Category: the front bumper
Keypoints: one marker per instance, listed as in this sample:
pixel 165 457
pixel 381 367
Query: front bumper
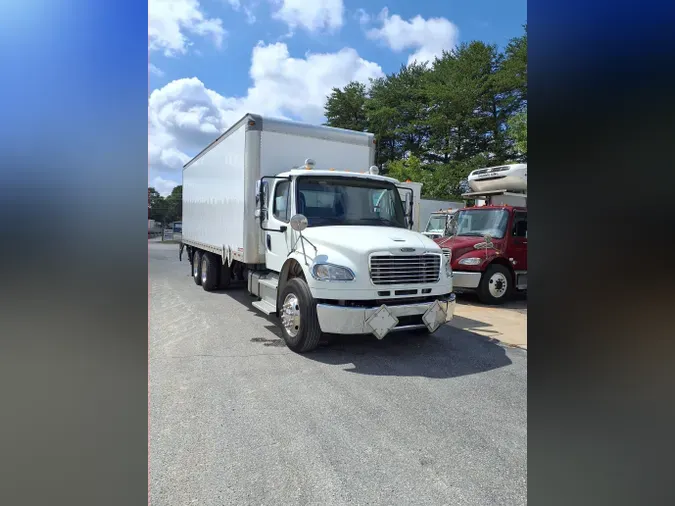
pixel 466 279
pixel 380 320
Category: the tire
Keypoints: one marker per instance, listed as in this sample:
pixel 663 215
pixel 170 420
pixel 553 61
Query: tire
pixel 209 272
pixel 225 276
pixel 297 306
pixel 197 267
pixel 496 285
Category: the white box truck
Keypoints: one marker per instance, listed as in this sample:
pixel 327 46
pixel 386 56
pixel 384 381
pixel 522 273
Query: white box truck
pixel 325 246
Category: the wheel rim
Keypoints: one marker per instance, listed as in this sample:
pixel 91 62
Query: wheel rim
pixel 290 315
pixel 497 285
pixel 203 271
pixel 195 266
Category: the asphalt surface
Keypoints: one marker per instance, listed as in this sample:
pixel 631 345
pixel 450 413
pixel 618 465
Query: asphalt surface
pixel 237 418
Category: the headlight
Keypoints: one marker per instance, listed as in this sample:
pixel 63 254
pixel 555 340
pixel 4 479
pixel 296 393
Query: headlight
pixel 329 272
pixel 471 261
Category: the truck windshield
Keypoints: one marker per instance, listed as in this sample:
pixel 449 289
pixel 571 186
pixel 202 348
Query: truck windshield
pixel 436 223
pixel 349 201
pixel 477 222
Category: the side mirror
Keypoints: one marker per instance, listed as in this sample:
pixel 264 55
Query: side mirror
pixel 299 222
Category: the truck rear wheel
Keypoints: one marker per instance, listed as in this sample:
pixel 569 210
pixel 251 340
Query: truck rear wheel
pixel 197 266
pixel 496 285
pixel 209 272
pixel 297 317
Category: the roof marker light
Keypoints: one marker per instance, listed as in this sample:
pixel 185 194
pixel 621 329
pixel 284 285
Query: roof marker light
pixel 374 170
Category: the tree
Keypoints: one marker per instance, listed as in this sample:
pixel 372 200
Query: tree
pixel 518 132
pixel 346 108
pixel 396 111
pixel 514 69
pixel 174 204
pixel 455 89
pixel 434 124
pixel 157 206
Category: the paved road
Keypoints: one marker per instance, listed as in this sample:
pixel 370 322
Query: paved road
pixel 236 418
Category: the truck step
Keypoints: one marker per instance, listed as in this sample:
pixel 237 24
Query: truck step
pixel 271 282
pixel 265 307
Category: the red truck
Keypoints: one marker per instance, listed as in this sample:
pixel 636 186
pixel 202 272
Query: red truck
pixel 487 243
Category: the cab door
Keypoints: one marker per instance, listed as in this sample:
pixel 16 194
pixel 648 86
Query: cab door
pixel 277 238
pixel 518 240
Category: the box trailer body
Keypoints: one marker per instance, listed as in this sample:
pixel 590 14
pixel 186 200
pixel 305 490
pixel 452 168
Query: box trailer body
pixel 219 184
pixel 327 250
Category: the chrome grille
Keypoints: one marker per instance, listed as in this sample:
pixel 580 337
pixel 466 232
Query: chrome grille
pixel 393 270
pixel 447 253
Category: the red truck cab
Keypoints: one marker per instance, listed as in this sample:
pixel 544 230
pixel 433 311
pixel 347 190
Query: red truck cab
pixel 488 250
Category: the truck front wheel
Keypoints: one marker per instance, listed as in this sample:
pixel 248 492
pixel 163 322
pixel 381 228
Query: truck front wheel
pixel 495 285
pixel 297 317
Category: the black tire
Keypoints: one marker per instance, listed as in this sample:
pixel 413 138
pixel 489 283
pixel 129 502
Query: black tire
pixel 495 277
pixel 309 333
pixel 197 267
pixel 225 276
pixel 209 272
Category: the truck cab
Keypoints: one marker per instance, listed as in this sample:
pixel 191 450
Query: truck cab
pixel 340 258
pixel 438 223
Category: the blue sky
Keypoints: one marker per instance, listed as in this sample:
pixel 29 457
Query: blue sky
pixel 213 60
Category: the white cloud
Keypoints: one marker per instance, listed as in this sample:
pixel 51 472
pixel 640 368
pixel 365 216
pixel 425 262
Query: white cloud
pixel 427 37
pixel 163 186
pixel 312 15
pixel 362 16
pixel 153 69
pixel 185 116
pixel 247 8
pixel 169 22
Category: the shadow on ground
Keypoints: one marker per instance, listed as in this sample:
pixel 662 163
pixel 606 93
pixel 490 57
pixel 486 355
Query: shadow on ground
pixel 449 353
pixel 518 301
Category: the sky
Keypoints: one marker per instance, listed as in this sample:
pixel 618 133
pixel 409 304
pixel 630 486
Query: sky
pixel 212 61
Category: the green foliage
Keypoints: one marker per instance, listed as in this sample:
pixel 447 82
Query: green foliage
pixel 346 108
pixel 175 204
pixel 436 123
pixel 518 132
pixel 165 209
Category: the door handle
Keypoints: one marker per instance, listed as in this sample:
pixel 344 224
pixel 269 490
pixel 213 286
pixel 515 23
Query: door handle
pixel 269 242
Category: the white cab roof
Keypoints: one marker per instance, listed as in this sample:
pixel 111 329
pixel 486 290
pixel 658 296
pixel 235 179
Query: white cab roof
pixel 339 173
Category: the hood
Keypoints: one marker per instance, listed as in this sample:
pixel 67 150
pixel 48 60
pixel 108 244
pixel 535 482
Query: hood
pixel 460 245
pixel 367 239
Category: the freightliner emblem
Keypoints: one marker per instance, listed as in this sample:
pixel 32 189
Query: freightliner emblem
pixel 407 250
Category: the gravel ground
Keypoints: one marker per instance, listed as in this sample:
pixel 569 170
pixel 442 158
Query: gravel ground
pixel 237 418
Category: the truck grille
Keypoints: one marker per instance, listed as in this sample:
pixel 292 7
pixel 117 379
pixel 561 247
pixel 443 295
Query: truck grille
pixel 447 253
pixel 393 270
